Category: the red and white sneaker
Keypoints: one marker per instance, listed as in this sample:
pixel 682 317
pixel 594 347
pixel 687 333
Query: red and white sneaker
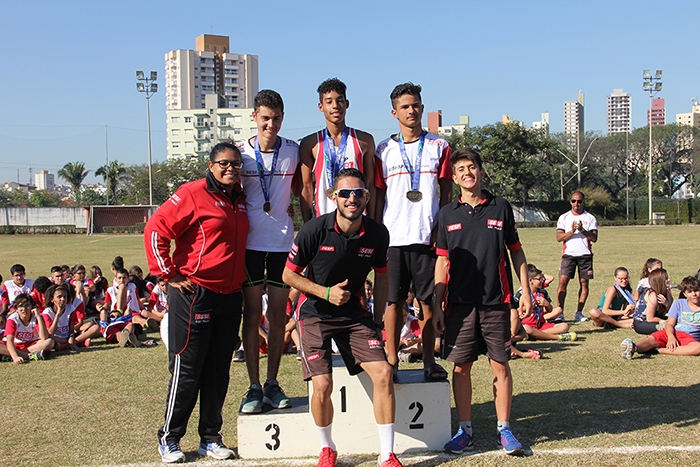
pixel 392 461
pixel 327 458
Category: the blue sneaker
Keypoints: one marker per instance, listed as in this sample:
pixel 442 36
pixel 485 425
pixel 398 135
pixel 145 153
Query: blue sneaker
pixel 460 442
pixel 628 349
pixel 171 453
pixel 507 440
pixel 215 451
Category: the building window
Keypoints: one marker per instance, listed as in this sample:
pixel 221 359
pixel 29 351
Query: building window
pixel 237 118
pixel 175 120
pixel 175 132
pixel 236 131
pixel 222 121
pixel 176 145
pixel 188 144
pixel 188 119
pixel 188 131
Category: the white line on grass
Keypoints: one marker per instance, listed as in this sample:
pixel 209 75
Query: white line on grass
pixel 409 459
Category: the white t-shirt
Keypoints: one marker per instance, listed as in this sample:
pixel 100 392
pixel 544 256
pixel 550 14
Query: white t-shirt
pixel 353 160
pixel 577 245
pixel 132 298
pixel 13 289
pixel 269 231
pixel 411 222
pixel 63 326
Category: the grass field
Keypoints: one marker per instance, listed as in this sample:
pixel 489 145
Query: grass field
pixel 580 405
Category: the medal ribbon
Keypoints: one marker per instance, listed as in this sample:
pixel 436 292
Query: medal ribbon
pixel 625 294
pixel 266 186
pixel 335 160
pixel 415 173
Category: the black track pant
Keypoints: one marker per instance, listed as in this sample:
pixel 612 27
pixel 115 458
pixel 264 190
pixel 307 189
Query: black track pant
pixel 203 334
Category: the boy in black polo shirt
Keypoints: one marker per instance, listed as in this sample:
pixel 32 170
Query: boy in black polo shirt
pixel 338 250
pixel 473 307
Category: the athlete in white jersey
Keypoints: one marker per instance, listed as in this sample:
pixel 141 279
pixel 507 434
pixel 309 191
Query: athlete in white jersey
pixel 18 284
pixel 410 167
pixel 325 153
pixel 270 164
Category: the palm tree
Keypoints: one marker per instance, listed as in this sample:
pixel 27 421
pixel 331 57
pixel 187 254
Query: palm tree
pixel 74 173
pixel 112 173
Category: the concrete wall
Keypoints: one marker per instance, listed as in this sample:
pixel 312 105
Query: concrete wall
pixel 44 216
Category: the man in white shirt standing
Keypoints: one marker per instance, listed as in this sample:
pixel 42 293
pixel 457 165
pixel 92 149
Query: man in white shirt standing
pixel 577 230
pixel 414 179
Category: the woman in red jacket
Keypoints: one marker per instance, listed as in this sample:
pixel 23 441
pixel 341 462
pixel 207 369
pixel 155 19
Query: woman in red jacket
pixel 207 220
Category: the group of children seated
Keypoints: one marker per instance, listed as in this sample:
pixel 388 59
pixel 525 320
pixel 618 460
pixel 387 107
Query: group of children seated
pixel 71 306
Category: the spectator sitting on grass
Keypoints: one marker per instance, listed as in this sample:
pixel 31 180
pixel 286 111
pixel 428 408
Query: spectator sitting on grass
pixel 682 333
pixel 26 336
pixel 651 264
pixel 83 285
pixel 41 285
pixel 101 286
pixel 536 323
pixel 116 314
pixel 617 305
pixel 19 284
pixel 653 304
pixel 59 317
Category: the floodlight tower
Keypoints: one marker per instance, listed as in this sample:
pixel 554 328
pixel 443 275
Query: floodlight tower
pixel 652 85
pixel 148 87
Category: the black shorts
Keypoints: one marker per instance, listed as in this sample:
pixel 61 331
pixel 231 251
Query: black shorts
pixel 357 341
pixel 411 263
pixel 470 331
pixel 570 263
pixel 257 262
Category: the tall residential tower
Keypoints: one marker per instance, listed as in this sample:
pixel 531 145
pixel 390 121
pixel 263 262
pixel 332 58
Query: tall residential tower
pixel 619 112
pixel 573 121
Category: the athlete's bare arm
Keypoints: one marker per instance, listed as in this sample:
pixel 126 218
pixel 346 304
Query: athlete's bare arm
pixel 367 146
pixel 307 151
pixel 379 203
pixel 336 294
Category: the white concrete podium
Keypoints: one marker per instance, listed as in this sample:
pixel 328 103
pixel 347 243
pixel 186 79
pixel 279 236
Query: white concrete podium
pixel 422 419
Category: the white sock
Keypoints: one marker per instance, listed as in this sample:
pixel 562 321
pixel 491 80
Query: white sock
pixel 324 432
pixel 386 441
pixel 501 425
pixel 466 426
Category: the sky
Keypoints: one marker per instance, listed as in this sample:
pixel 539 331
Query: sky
pixel 67 80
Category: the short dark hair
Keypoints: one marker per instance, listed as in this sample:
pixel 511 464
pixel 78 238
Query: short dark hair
pixel 689 284
pixel 121 271
pixel 346 173
pixel 468 154
pixel 56 269
pixel 405 89
pixel 42 283
pixel 331 84
pixel 532 271
pixel 17 268
pixel 268 98
pixel 118 262
pixel 218 148
pixel 76 268
pixel 24 298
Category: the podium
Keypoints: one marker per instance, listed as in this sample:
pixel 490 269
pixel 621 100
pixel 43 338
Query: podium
pixel 423 421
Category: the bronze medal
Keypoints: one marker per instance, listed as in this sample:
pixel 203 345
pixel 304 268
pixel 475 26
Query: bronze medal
pixel 266 206
pixel 414 195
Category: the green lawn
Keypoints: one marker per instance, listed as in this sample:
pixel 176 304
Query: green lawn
pixel 102 406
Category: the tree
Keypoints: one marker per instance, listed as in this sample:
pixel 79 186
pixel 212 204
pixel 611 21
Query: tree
pixel 167 177
pixel 74 173
pixel 44 199
pixel 519 163
pixel 112 173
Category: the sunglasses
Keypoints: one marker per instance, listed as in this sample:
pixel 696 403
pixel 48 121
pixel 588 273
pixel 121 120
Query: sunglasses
pixel 576 201
pixel 346 192
pixel 225 164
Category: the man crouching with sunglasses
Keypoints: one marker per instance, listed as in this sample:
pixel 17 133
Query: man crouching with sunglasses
pixel 577 230
pixel 338 250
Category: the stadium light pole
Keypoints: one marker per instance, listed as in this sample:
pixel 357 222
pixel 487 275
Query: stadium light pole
pixel 148 87
pixel 652 85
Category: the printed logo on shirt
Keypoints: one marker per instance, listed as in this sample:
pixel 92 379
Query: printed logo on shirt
pixel 220 203
pixel 365 252
pixel 327 248
pixel 174 198
pixel 349 165
pixel 241 207
pixel 201 317
pixel 311 358
pixel 453 227
pixel 494 224
pixel 374 344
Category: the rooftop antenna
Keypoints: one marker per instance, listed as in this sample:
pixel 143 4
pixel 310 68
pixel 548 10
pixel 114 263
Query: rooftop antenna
pixel 694 100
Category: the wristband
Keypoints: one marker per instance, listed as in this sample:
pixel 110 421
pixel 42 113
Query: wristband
pixel 328 293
